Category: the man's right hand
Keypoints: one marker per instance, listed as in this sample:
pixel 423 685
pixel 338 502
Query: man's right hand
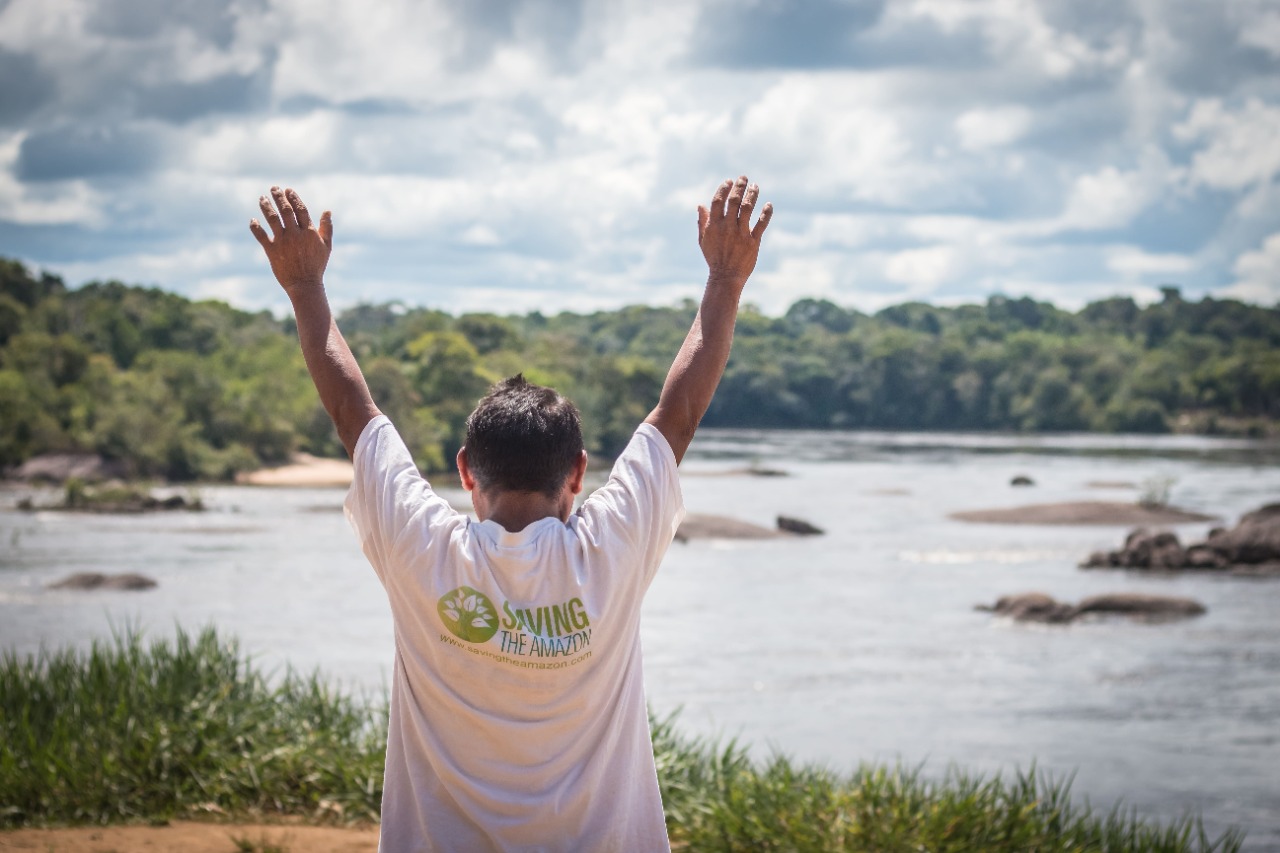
pixel 729 243
pixel 298 251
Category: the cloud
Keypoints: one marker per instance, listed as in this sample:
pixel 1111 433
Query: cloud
pixel 223 93
pixel 26 87
pixel 992 127
pixel 1131 261
pixel 554 151
pixel 1239 146
pixel 922 270
pixel 1258 274
pixel 1205 48
pixel 552 26
pixel 214 20
pixel 1112 198
pixel 88 152
pixel 782 33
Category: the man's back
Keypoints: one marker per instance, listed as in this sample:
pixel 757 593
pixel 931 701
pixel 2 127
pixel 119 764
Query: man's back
pixel 518 718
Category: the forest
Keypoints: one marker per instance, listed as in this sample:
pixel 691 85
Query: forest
pixel 198 390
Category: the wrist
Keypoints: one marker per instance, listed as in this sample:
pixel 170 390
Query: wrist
pixel 722 280
pixel 303 288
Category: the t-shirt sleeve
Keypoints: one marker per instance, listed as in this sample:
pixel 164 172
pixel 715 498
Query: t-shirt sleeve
pixel 389 498
pixel 639 508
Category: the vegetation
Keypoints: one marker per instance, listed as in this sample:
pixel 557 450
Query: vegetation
pixel 79 496
pixel 127 732
pixel 198 390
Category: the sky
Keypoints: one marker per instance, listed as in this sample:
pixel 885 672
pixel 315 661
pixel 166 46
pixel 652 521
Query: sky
pixel 519 155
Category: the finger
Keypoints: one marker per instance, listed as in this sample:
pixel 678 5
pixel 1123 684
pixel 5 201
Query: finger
pixel 748 205
pixel 273 218
pixel 299 209
pixel 717 200
pixel 704 216
pixel 765 215
pixel 735 198
pixel 287 219
pixel 326 228
pixel 260 233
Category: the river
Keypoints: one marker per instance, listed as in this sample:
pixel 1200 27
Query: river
pixel 861 645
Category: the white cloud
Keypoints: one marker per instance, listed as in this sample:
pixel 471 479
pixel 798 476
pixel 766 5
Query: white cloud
pixel 1111 198
pixel 570 174
pixel 922 269
pixel 992 128
pixel 1017 33
pixel 1262 30
pixel 1132 261
pixel 61 203
pixel 833 133
pixel 347 51
pixel 830 231
pixel 1240 146
pixel 1258 274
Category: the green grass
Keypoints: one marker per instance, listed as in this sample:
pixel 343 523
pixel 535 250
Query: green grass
pixel 134 732
pixel 129 731
pixel 718 799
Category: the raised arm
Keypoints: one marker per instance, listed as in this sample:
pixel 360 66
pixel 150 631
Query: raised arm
pixel 299 252
pixel 730 245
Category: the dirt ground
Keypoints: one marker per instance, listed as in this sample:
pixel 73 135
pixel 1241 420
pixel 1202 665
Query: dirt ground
pixel 195 838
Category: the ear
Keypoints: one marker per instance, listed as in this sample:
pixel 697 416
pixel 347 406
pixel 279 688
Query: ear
pixel 464 470
pixel 576 475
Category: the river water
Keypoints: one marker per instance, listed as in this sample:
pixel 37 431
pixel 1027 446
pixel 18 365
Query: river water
pixel 861 645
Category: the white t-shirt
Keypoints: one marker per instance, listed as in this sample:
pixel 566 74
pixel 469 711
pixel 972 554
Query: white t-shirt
pixel 518 718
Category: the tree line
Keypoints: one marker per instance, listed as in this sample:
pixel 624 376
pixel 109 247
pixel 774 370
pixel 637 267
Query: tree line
pixel 185 390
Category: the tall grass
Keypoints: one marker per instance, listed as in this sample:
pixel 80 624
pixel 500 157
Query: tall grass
pixel 128 732
pixel 718 799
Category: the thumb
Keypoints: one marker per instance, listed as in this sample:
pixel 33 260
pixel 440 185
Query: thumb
pixel 703 217
pixel 326 228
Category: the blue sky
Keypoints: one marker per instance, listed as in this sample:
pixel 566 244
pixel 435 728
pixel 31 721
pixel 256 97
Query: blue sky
pixel 511 155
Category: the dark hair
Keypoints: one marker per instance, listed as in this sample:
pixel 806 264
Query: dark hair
pixel 523 437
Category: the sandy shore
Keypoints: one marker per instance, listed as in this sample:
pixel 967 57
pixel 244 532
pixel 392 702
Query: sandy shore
pixel 1084 512
pixel 701 526
pixel 305 470
pixel 195 838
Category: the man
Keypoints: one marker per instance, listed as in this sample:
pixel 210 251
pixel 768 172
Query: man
pixel 518 719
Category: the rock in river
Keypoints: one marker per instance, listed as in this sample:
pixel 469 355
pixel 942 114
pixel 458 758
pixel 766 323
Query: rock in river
pixel 94 580
pixel 1252 547
pixel 799 526
pixel 1039 607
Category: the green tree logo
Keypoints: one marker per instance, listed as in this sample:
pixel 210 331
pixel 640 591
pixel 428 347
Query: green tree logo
pixel 469 615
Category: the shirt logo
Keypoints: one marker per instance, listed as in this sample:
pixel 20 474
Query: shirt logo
pixel 469 615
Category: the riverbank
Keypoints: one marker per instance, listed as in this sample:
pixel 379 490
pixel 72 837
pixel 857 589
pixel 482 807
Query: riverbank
pixel 129 733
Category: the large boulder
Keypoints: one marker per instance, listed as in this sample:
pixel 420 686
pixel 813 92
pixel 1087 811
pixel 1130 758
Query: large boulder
pixel 1256 539
pixel 1155 607
pixel 1039 607
pixel 798 526
pixel 1031 607
pixel 701 526
pixel 1251 547
pixel 96 580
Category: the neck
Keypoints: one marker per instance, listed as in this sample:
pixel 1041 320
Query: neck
pixel 517 510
